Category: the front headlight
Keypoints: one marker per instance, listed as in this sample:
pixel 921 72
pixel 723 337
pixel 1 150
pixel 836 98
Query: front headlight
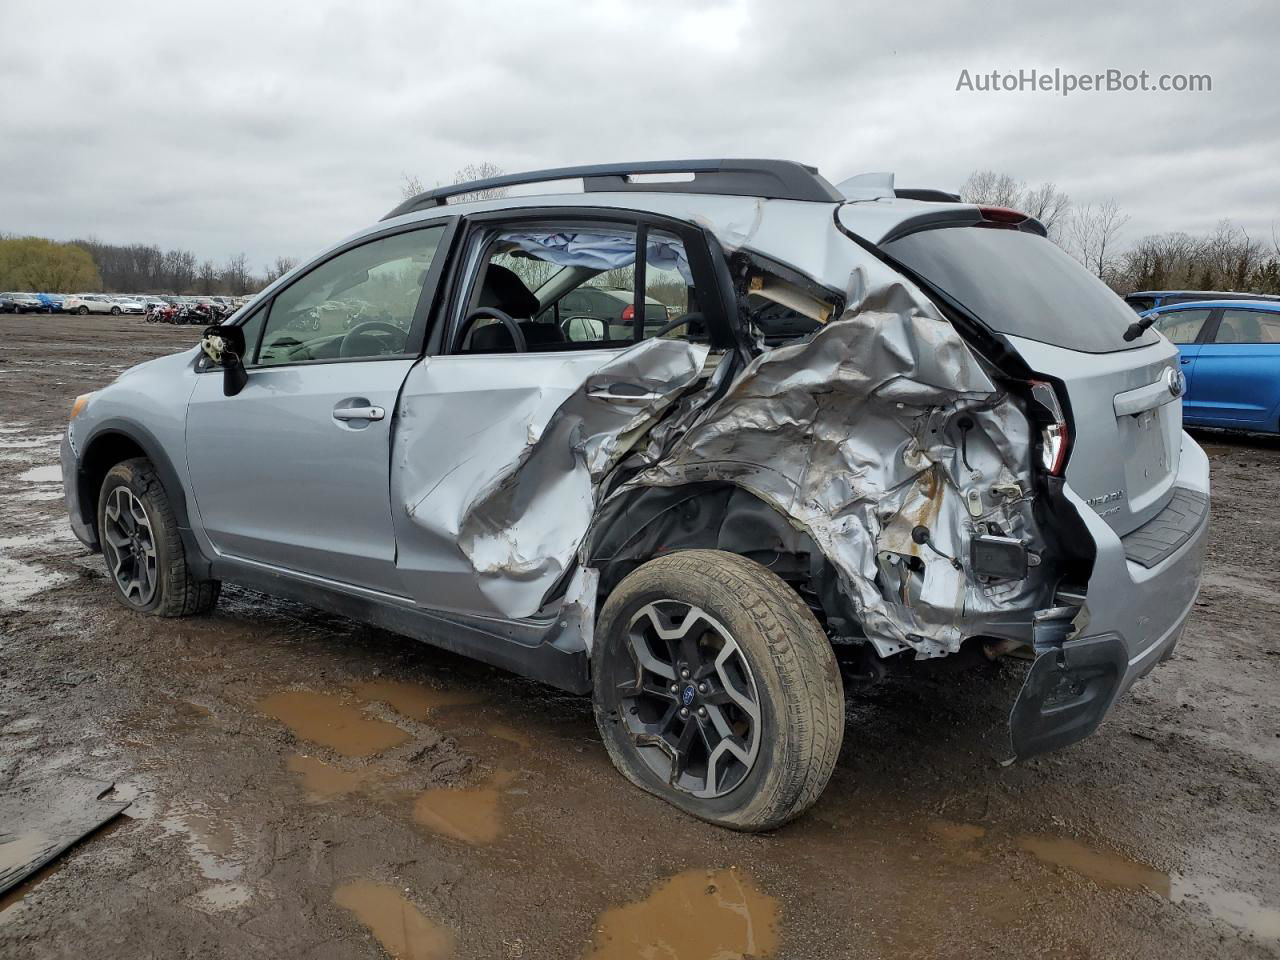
pixel 82 401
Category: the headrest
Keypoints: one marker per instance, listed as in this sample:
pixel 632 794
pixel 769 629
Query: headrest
pixel 505 291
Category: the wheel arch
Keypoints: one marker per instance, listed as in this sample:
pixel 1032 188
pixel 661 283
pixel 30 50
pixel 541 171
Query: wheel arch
pixel 650 522
pixel 114 441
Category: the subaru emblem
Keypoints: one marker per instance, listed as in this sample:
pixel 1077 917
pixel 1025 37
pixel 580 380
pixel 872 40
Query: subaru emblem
pixel 687 695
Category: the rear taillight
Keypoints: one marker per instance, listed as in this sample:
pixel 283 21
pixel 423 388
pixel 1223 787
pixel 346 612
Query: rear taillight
pixel 1054 435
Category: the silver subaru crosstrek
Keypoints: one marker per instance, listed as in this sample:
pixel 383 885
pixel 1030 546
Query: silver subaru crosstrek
pixel 876 423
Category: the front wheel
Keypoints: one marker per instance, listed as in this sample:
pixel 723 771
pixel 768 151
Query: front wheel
pixel 144 553
pixel 717 690
pixel 82 310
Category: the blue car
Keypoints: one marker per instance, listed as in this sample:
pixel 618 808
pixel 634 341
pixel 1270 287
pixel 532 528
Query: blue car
pixel 52 303
pixel 1231 359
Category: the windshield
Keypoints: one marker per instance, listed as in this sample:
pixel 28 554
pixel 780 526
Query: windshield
pixel 1021 284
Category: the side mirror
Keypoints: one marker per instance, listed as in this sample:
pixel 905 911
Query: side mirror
pixel 224 345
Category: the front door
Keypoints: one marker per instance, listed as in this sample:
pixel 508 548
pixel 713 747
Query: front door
pixel 1186 328
pixel 293 472
pixel 1238 370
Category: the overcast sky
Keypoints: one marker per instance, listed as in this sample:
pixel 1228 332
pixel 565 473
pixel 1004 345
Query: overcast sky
pixel 225 126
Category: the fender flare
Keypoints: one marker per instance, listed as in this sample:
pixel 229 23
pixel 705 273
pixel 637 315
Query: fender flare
pixel 174 488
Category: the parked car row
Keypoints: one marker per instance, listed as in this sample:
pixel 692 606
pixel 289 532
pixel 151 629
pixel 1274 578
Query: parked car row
pixel 109 303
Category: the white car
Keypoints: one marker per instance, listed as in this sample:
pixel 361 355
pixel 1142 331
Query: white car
pixel 83 303
pixel 127 305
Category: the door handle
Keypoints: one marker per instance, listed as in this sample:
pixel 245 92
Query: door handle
pixel 358 413
pixel 623 393
pixel 1185 361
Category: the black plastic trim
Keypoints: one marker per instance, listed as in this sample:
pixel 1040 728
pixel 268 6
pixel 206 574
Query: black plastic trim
pixel 173 487
pixel 522 648
pixel 1067 693
pixel 1161 536
pixel 772 179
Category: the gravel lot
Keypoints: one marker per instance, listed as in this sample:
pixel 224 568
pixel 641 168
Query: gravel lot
pixel 303 785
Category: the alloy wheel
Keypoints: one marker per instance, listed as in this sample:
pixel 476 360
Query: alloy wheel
pixel 690 702
pixel 129 546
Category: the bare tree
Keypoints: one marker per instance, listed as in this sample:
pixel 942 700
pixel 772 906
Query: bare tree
pixel 207 278
pixel 1047 204
pixel 410 186
pixel 235 275
pixel 480 171
pixel 992 189
pixel 278 269
pixel 1092 234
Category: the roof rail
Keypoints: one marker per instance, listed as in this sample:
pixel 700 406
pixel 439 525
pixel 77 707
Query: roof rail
pixel 773 179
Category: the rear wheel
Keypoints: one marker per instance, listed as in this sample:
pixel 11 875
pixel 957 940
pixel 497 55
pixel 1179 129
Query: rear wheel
pixel 82 310
pixel 144 554
pixel 717 690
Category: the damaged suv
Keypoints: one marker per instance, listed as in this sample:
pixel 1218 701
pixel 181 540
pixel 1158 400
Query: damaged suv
pixel 874 423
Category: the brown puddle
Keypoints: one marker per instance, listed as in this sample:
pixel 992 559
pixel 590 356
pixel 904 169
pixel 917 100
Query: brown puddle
pixel 955 832
pixel 325 780
pixel 413 699
pixel 398 925
pixel 471 814
pixel 332 722
pixel 1240 910
pixel 696 915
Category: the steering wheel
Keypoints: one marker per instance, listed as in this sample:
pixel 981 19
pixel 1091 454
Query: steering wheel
pixel 693 319
pixel 352 337
pixel 482 313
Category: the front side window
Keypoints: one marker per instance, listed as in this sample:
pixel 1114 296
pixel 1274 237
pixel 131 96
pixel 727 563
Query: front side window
pixel 359 304
pixel 1182 326
pixel 1248 326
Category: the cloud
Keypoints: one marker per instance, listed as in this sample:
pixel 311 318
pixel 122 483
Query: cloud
pixel 244 126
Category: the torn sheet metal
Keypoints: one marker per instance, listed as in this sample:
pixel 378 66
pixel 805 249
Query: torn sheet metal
pixel 880 422
pixel 494 510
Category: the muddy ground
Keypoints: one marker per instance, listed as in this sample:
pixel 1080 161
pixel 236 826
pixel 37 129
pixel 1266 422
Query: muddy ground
pixel 305 786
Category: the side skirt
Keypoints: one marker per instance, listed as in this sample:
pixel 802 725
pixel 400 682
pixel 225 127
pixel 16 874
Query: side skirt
pixel 521 647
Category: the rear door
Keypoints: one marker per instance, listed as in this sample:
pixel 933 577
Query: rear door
pixel 500 449
pixel 293 472
pixel 1238 370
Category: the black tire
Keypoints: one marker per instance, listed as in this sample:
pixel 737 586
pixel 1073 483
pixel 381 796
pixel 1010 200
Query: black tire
pixel 115 311
pixel 174 592
pixel 790 670
pixel 82 310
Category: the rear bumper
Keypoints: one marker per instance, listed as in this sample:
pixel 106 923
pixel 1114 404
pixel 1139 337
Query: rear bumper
pixel 1135 616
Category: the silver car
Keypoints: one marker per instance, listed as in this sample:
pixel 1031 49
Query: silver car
pixel 880 425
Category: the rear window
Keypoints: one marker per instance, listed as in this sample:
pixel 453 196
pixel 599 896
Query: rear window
pixel 1021 284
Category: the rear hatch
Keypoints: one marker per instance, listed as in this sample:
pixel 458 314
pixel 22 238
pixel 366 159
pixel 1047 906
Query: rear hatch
pixel 1068 326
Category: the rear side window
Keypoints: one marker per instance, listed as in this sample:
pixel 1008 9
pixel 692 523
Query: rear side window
pixel 1021 284
pixel 1248 326
pixel 1182 326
